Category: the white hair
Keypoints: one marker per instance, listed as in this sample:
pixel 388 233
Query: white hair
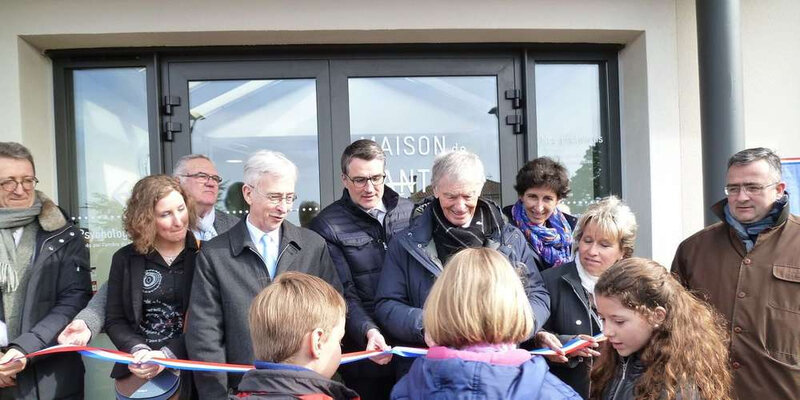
pixel 458 166
pixel 180 166
pixel 268 162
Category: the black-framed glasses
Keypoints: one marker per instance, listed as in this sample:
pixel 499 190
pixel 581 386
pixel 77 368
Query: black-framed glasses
pixel 276 198
pixel 203 177
pixel 361 181
pixel 750 189
pixel 10 185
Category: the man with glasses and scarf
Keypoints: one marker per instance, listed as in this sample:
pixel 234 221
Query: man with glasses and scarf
pixel 44 281
pixel 748 267
pixel 235 266
pixel 456 218
pixel 357 229
pixel 199 178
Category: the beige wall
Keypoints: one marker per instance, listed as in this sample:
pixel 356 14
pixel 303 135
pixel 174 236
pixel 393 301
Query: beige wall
pixel 660 112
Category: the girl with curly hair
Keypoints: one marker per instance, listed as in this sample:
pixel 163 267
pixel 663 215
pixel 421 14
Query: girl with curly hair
pixel 667 344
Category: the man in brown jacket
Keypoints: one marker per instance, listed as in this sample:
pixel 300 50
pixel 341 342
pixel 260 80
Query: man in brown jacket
pixel 748 267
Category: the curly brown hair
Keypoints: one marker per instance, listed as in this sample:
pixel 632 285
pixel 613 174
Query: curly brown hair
pixel 688 351
pixel 139 215
pixel 543 172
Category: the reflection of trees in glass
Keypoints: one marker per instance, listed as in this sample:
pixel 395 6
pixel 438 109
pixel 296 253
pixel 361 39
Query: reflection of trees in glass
pixel 308 210
pixel 586 184
pixel 234 199
pixel 105 228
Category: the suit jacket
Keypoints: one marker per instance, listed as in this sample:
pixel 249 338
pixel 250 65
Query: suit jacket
pixel 124 305
pixel 229 274
pixel 224 221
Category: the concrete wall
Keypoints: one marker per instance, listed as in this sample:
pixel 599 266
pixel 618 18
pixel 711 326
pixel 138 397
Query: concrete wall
pixel 659 100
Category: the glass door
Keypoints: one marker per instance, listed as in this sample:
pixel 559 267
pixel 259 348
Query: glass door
pixel 228 110
pixel 418 108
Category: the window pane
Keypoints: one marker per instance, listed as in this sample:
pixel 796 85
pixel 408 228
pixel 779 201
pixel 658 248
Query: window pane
pixel 414 119
pixel 232 119
pixel 568 127
pixel 112 149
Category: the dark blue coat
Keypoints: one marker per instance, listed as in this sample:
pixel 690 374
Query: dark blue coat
pixel 455 378
pixel 357 245
pixel 411 267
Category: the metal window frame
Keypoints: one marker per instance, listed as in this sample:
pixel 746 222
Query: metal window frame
pixel 64 113
pixel 155 60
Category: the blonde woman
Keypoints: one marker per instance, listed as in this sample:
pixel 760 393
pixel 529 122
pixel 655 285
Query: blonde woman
pixel 605 234
pixel 476 314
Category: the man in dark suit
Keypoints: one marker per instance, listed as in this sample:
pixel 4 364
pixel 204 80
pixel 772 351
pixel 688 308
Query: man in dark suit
pixel 235 266
pixel 199 178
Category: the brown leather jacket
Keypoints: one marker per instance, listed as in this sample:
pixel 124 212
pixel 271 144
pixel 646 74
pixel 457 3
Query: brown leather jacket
pixel 758 293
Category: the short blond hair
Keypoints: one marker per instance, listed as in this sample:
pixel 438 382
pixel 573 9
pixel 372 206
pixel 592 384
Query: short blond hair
pixel 293 305
pixel 614 219
pixel 478 298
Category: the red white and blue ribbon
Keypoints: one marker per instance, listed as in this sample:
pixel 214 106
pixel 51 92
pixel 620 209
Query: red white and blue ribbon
pixel 400 351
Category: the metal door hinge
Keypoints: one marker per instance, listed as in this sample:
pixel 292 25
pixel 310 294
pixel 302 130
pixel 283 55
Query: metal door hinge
pixel 516 121
pixel 169 130
pixel 515 95
pixel 170 102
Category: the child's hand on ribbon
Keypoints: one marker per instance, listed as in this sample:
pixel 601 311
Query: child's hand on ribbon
pixel 588 351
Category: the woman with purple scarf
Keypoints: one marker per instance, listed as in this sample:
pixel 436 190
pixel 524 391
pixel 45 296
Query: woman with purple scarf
pixel 541 184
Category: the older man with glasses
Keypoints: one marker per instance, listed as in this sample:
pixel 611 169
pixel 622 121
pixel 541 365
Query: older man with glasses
pixel 748 267
pixel 44 281
pixel 199 178
pixel 455 219
pixel 235 266
pixel 357 229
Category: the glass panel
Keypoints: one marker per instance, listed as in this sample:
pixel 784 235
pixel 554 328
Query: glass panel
pixel 414 119
pixel 232 119
pixel 112 149
pixel 568 127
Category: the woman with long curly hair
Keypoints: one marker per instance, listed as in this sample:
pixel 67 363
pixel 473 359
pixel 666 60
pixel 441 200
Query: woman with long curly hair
pixel 149 282
pixel 667 344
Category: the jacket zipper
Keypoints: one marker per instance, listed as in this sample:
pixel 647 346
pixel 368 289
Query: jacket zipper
pixel 621 379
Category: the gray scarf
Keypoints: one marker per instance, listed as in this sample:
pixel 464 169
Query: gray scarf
pixel 16 259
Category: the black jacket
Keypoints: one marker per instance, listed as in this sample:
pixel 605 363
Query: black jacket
pixel 124 304
pixel 623 386
pixel 357 243
pixel 412 266
pixel 291 384
pixel 570 315
pixel 229 273
pixel 59 287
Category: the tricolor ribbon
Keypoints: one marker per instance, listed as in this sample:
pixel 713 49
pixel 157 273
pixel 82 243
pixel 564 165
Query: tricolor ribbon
pixel 400 351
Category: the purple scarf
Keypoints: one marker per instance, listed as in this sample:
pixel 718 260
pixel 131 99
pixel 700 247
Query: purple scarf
pixel 552 240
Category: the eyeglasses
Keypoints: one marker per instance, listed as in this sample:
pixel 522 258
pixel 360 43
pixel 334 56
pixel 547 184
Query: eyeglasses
pixel 276 198
pixel 10 185
pixel 750 189
pixel 202 177
pixel 361 181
